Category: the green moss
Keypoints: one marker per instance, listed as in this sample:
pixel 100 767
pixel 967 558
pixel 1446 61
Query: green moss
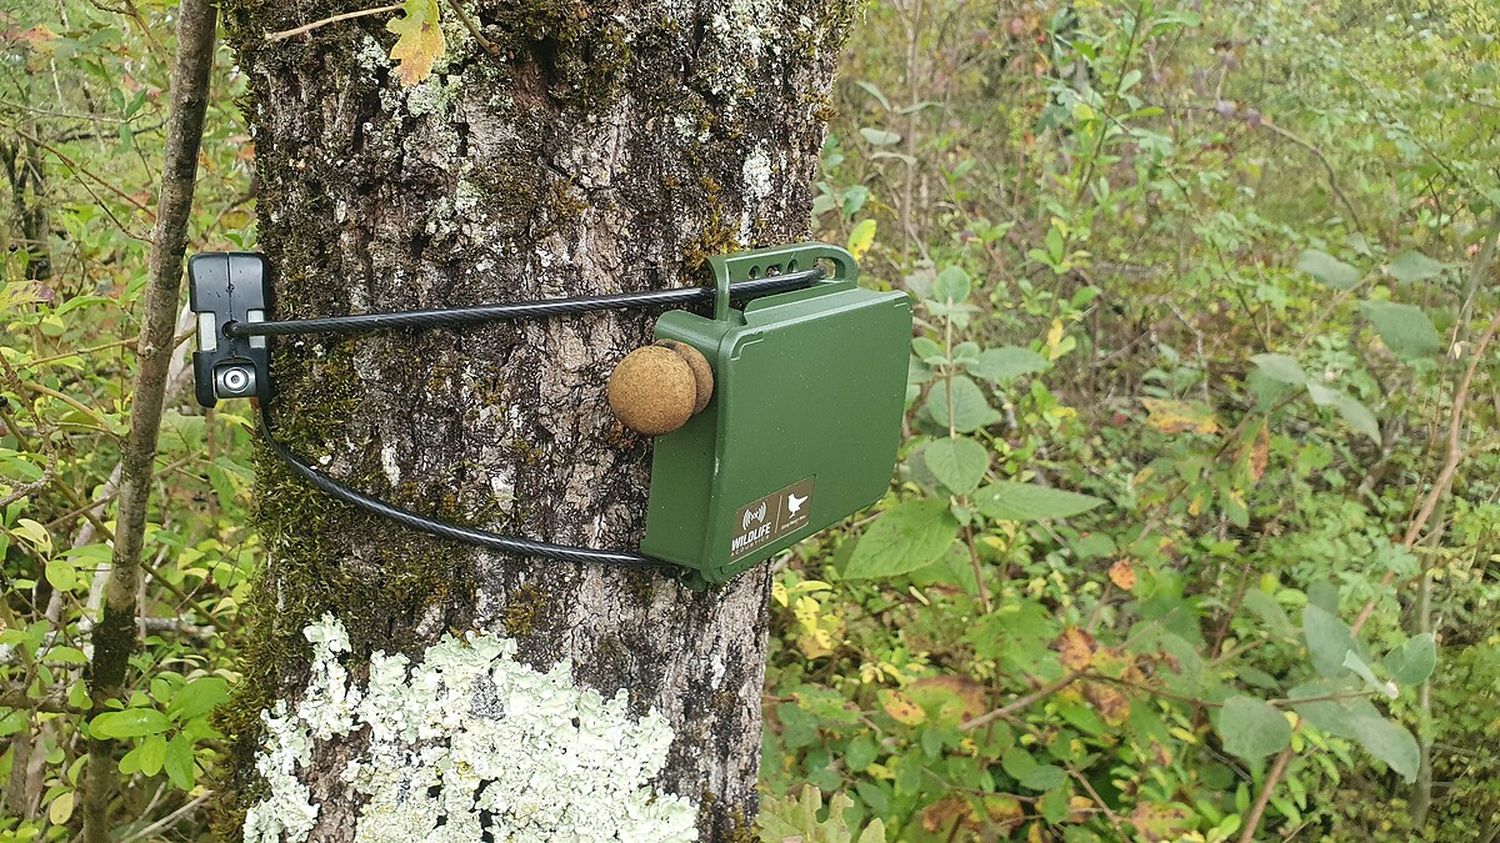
pixel 521 611
pixel 716 238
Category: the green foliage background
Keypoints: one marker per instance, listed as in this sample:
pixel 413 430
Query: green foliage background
pixel 1203 296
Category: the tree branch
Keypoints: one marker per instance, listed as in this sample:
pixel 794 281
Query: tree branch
pixel 1258 810
pixel 114 638
pixel 1450 463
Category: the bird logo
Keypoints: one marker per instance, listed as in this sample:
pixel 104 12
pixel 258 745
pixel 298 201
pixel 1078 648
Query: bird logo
pixel 794 503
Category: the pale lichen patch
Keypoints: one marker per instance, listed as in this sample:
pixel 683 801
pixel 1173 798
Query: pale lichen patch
pixel 468 742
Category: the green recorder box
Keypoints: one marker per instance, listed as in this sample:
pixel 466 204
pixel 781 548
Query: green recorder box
pixel 805 420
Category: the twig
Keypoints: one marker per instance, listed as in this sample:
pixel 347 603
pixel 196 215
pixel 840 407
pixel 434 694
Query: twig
pixel 19 701
pixel 28 489
pixel 984 592
pixel 473 27
pixel 1450 463
pixel 145 833
pixel 77 167
pixel 1114 819
pixel 1252 820
pixel 1023 701
pixel 317 24
pixel 1333 182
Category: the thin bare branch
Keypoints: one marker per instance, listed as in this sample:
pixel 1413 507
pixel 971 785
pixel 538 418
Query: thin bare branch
pixel 318 24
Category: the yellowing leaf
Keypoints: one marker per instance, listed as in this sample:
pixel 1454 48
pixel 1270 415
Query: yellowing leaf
pixel 778 593
pixel 421 40
pixel 862 238
pixel 34 534
pixel 1170 416
pixel 1054 339
pixel 61 808
pixel 901 708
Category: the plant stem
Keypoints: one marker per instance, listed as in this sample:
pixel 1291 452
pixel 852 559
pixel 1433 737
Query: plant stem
pixel 114 637
pixel 1258 810
pixel 1454 456
pixel 309 27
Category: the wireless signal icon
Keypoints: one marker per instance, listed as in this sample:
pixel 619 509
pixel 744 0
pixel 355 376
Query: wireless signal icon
pixel 753 515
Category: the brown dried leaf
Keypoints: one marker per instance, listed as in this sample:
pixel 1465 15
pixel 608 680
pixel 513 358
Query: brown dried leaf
pixel 946 813
pixel 1111 704
pixel 1077 648
pixel 1004 811
pixel 1079 808
pixel 1260 454
pixel 1122 574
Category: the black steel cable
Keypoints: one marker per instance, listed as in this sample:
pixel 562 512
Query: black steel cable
pixel 472 315
pixel 447 317
pixel 467 535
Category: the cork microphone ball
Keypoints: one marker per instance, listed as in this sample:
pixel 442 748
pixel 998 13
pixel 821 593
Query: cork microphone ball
pixel 703 374
pixel 653 390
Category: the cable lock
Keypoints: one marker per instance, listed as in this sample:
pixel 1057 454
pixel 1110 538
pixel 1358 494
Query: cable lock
pixel 230 294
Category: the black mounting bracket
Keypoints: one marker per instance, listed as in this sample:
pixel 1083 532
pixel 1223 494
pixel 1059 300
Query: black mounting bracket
pixel 224 289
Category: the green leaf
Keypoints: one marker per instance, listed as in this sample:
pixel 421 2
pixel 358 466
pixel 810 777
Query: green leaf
pixel 958 463
pixel 1252 728
pixel 1269 611
pixel 198 698
pixel 1412 662
pixel 1045 777
pixel 904 538
pixel 951 285
pixel 1017 763
pixel 1355 414
pixel 151 754
pixel 1413 266
pixel 1328 639
pixel 1324 595
pixel 1404 328
pixel 971 410
pixel 861 238
pixel 1011 501
pixel 1007 363
pixel 34 534
pixel 1357 719
pixel 1362 669
pixel 1328 269
pixel 878 137
pixel 61 808
pixel 795 817
pixel 130 723
pixel 1280 368
pixel 61 574
pixel 1054 806
pixel 179 762
pixel 861 753
pixel 1389 741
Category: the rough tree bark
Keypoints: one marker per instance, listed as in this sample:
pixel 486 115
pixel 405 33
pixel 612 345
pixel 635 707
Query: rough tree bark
pixel 598 147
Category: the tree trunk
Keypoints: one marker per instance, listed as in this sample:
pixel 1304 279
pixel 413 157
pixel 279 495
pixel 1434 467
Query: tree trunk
pixel 599 147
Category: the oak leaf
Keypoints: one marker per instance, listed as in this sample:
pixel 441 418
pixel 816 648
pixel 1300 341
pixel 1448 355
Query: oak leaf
pixel 420 42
